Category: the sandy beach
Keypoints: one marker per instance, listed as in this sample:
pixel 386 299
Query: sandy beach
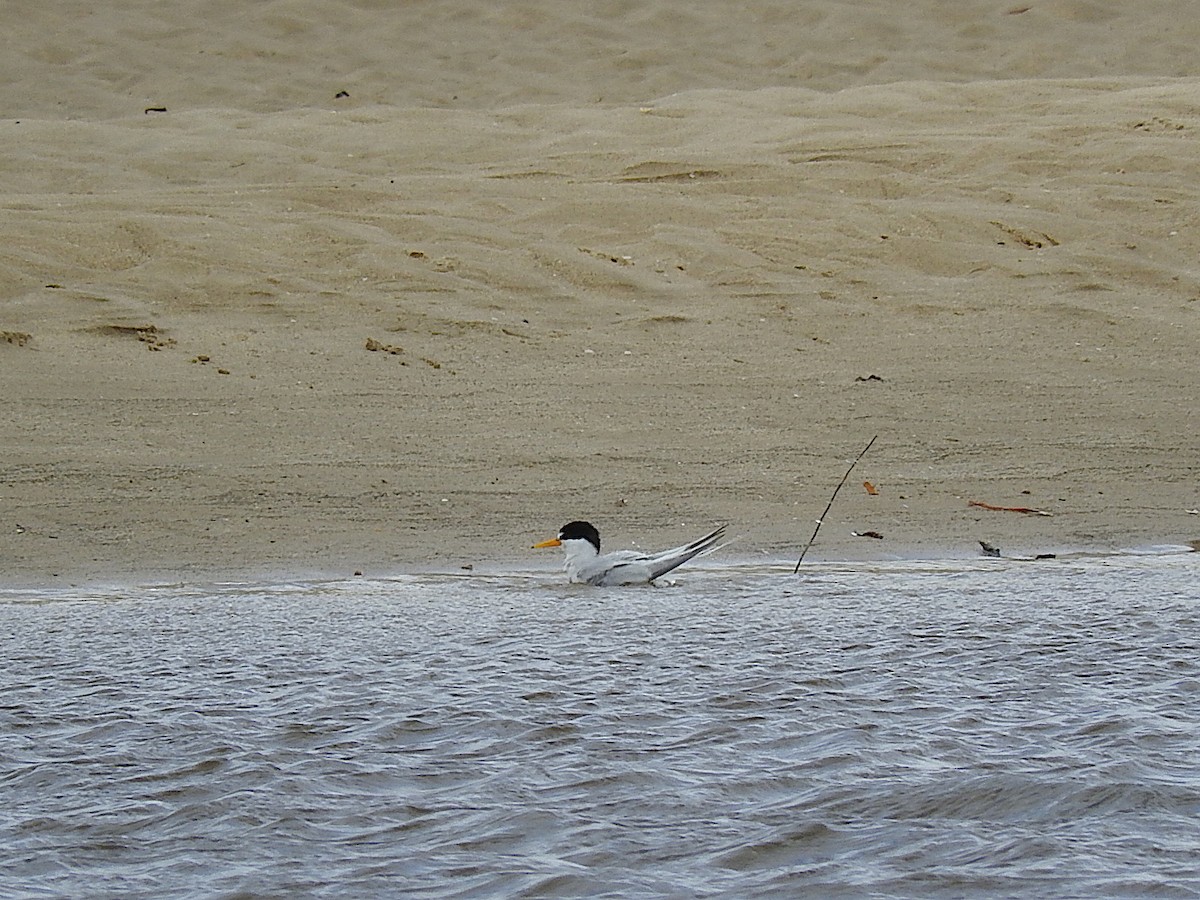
pixel 314 289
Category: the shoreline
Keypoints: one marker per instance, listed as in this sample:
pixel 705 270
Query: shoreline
pixel 20 592
pixel 45 587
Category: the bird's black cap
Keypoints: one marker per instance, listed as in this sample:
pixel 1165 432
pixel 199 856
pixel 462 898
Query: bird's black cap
pixel 580 531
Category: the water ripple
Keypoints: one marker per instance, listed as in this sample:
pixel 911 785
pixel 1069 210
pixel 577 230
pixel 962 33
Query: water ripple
pixel 906 730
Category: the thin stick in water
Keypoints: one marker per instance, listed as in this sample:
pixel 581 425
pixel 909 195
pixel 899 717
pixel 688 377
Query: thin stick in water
pixel 821 521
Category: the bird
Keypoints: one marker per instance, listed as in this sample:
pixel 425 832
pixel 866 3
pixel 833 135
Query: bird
pixel 586 565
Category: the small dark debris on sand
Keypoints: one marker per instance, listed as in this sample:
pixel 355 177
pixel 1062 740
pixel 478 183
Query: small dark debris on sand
pixel 18 338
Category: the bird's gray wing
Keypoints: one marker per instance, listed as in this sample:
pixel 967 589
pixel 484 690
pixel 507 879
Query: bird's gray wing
pixel 662 563
pixel 603 569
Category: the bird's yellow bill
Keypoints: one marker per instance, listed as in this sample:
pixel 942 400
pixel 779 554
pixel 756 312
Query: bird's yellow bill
pixel 553 542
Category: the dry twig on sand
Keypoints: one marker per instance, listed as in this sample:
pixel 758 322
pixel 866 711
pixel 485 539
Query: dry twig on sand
pixel 829 505
pixel 1029 511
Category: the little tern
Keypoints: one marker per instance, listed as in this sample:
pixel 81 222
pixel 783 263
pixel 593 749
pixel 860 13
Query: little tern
pixel 585 564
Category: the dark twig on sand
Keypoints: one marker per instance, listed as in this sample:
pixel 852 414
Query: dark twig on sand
pixel 829 505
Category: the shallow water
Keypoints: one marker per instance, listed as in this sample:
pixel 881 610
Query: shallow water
pixel 960 729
